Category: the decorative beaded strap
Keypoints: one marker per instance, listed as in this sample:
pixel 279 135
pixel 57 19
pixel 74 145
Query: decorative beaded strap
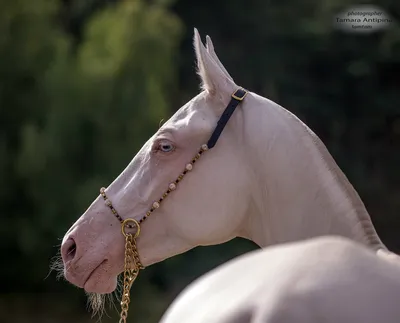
pixel 171 187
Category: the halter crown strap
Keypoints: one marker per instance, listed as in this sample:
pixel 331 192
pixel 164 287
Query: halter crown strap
pixel 236 98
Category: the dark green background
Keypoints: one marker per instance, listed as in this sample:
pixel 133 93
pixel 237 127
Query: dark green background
pixel 83 84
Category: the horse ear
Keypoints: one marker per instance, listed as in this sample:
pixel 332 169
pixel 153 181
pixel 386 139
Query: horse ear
pixel 214 80
pixel 213 54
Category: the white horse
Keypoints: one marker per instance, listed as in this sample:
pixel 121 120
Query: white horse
pixel 325 279
pixel 268 179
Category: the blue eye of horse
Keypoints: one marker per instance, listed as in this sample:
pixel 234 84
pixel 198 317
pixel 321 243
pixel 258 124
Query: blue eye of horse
pixel 166 148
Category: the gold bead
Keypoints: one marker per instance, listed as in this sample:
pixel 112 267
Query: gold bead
pixel 165 195
pixel 108 202
pixel 148 213
pixel 172 186
pixel 189 166
pixel 156 205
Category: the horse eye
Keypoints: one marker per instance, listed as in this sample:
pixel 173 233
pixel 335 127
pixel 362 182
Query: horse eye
pixel 166 147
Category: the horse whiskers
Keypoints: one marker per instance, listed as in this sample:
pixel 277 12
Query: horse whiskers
pixel 118 291
pixel 96 302
pixel 56 264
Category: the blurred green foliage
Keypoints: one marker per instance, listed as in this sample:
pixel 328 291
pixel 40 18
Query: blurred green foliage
pixel 83 84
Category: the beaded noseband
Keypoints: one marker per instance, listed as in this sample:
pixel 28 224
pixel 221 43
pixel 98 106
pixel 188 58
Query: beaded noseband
pixel 132 260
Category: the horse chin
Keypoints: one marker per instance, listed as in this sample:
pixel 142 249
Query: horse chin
pixel 96 287
pixel 100 281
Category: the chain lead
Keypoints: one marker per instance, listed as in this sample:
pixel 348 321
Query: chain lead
pixel 132 267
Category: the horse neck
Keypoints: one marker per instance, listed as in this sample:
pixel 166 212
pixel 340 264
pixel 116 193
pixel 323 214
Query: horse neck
pixel 299 192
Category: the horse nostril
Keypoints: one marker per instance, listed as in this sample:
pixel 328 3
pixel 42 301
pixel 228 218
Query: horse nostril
pixel 68 250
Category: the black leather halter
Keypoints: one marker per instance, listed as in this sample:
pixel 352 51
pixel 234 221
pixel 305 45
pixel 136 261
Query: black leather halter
pixel 236 98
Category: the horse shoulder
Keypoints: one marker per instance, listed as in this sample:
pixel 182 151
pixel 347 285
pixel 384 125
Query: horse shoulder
pixel 327 279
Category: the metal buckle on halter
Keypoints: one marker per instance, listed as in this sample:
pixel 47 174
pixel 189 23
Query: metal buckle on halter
pixel 239 94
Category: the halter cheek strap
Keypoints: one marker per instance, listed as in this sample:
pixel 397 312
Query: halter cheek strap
pixel 236 98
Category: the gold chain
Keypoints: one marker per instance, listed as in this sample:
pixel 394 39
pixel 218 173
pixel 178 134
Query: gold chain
pixel 131 270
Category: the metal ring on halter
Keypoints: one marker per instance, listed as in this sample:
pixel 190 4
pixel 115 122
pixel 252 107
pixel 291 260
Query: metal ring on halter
pixel 123 226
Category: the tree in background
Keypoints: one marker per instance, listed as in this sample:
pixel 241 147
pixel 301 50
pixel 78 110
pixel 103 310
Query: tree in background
pixel 73 117
pixel 28 48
